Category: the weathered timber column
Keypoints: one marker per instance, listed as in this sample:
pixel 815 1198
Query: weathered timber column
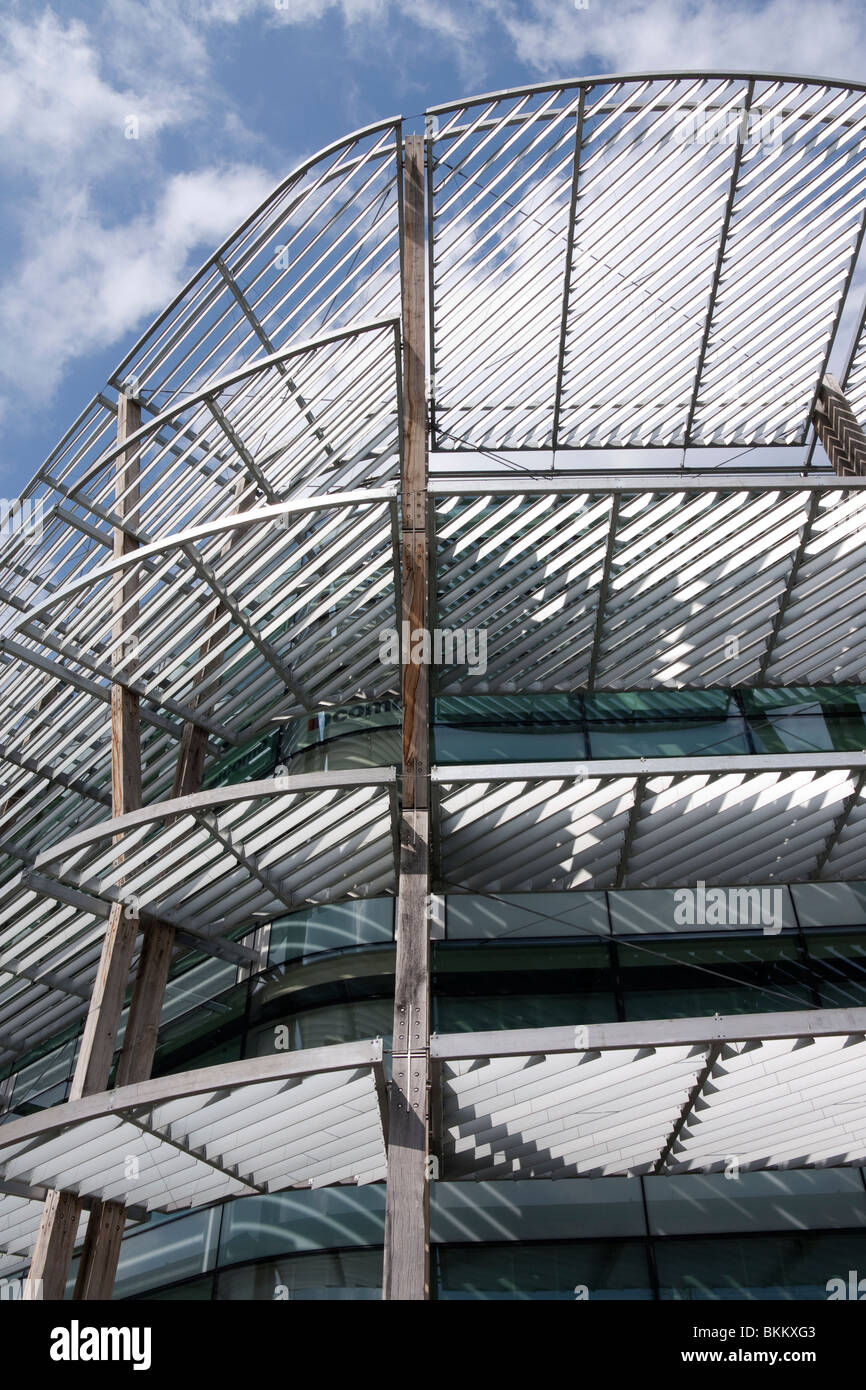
pixel 407 1222
pixel 98 1268
pixel 55 1242
pixel 157 950
pixel 839 430
pixel 158 944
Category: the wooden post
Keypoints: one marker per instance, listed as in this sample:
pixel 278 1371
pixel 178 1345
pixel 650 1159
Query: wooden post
pixel 62 1212
pixel 98 1267
pixel 157 949
pixel 55 1243
pixel 98 1264
pixel 839 430
pixel 407 1241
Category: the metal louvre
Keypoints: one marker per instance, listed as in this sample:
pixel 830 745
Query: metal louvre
pixel 673 1096
pixel 789 1101
pixel 821 635
pixel 548 1117
pixel 272 376
pixel 648 261
pixel 20 1218
pixel 649 823
pixel 527 570
pixel 248 605
pixel 246 611
pixel 209 864
pixel 231 615
pixel 315 418
pixel 322 252
pixel 613 587
pixel 854 375
pixel 308 1119
pixel 216 860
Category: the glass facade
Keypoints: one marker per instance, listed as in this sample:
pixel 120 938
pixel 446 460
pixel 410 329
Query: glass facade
pixel 769 1236
pixel 519 960
pixel 541 728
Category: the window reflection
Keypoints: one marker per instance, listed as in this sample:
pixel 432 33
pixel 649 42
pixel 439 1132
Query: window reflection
pixel 571 726
pixel 592 1270
pixel 347 1274
pixel 777 1268
pixel 694 978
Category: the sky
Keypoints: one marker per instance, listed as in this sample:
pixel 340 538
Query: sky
pixel 135 134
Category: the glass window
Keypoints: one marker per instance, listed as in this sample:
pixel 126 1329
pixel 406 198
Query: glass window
pixel 506 744
pixel 195 987
pixel 526 1210
pixel 316 741
pixel 366 748
pixel 806 719
pixel 538 710
pixel 471 915
pixel 781 1267
pixel 327 928
pixel 508 728
pixel 248 763
pixel 690 1203
pixel 339 1274
pixel 167 1252
pixel 830 904
pixel 794 733
pixel 322 1027
pixel 668 738
pixel 838 959
pixel 41 1100
pixel 193 1291
pixel 211 1032
pixel 332 724
pixel 640 911
pixel 505 986
pixel 556 1272
pixel 328 978
pixel 482 1013
pixel 44 1082
pixel 664 723
pixel 628 705
pixel 697 978
pixel 339 997
pixel 257 1227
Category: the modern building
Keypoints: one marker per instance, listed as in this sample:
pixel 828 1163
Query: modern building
pixel 433 689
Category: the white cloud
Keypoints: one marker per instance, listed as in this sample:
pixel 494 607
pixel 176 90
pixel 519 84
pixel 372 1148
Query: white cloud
pixel 107 238
pixel 95 289
pixel 459 26
pixel 55 104
pixel 824 38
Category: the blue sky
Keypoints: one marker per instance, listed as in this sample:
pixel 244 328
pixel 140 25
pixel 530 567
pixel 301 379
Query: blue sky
pixel 98 230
